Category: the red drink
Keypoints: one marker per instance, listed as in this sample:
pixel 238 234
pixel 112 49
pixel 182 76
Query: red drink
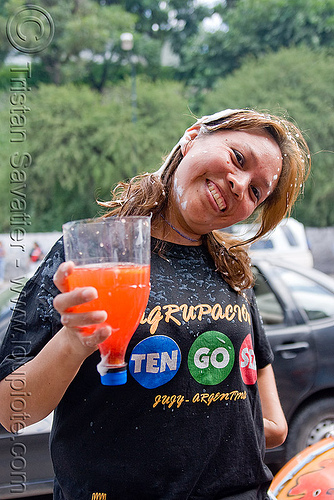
pixel 123 291
pixel 112 255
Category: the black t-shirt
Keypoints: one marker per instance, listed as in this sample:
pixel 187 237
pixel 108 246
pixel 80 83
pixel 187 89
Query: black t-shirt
pixel 188 422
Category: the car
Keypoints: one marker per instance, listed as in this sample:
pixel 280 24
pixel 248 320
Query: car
pixel 297 308
pixel 25 463
pixel 288 241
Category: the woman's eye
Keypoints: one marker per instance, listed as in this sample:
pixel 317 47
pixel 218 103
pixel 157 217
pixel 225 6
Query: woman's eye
pixel 256 192
pixel 239 157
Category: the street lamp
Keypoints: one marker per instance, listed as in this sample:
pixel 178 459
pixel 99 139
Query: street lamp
pixel 127 45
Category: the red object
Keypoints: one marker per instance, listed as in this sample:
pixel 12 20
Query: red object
pixel 123 292
pixel 308 475
pixel 35 254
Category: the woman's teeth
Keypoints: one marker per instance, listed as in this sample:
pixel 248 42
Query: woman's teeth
pixel 217 196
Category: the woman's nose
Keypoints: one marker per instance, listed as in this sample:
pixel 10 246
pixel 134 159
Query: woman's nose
pixel 238 185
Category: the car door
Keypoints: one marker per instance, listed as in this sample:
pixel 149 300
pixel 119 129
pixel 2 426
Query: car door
pixel 25 462
pixel 313 294
pixel 290 336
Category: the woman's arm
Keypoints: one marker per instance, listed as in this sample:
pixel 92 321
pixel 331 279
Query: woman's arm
pixel 47 376
pixel 275 425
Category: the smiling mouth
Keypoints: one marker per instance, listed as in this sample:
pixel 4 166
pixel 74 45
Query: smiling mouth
pixel 216 195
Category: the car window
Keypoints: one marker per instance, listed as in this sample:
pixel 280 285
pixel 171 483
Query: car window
pixel 316 300
pixel 262 245
pixel 269 307
pixel 289 236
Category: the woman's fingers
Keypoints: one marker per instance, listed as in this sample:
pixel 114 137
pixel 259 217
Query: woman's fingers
pixel 84 345
pixel 97 338
pixel 75 320
pixel 61 275
pixel 66 300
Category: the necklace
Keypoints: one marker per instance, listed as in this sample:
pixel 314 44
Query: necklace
pixel 179 232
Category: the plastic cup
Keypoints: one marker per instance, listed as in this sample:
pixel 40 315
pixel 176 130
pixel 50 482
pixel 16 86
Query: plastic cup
pixel 113 256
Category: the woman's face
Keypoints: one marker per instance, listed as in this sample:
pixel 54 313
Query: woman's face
pixel 223 177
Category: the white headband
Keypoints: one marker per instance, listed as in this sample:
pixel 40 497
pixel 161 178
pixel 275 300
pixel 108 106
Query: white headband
pixel 187 135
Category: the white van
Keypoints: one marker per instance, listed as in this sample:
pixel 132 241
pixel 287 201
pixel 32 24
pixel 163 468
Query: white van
pixel 287 242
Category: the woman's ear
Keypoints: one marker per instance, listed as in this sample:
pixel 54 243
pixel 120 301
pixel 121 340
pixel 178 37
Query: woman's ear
pixel 190 134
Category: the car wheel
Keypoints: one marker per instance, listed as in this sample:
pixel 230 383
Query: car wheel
pixel 312 423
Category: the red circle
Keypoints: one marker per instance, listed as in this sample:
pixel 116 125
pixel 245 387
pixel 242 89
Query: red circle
pixel 247 361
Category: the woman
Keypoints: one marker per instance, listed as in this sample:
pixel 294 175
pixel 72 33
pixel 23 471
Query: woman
pixel 202 434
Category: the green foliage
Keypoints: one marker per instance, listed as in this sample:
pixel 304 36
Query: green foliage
pixel 38 76
pixel 86 45
pixel 86 35
pixel 254 27
pixel 4 44
pixel 298 83
pixel 95 32
pixel 148 13
pixel 6 149
pixel 82 143
pixel 172 19
pixel 279 23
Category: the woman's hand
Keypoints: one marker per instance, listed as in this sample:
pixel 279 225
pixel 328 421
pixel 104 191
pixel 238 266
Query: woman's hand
pixel 44 382
pixel 74 321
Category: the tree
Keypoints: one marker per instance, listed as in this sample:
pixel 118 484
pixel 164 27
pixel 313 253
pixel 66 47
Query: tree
pixel 86 42
pixel 172 19
pixel 159 22
pixel 82 143
pixel 298 83
pixel 254 27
